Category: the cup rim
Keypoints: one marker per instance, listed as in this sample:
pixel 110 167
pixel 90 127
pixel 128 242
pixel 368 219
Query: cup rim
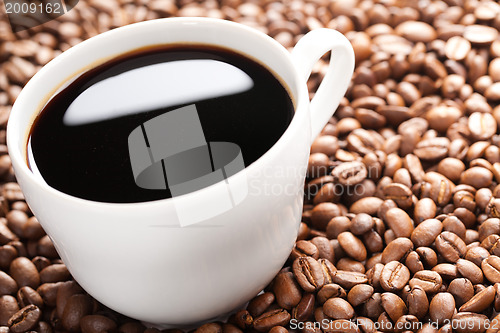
pixel 14 135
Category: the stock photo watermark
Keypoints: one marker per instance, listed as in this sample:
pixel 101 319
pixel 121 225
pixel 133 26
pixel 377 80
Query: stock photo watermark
pixel 24 14
pixel 356 324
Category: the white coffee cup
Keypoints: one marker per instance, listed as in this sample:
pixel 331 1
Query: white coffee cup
pixel 143 259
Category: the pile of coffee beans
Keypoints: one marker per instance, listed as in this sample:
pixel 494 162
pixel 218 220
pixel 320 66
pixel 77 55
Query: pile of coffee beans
pixel 401 224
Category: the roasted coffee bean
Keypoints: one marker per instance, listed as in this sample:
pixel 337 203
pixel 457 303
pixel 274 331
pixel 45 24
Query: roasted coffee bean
pixel 427 255
pixel 329 291
pixel 278 329
pixel 348 264
pixel 77 307
pixel 269 319
pixel 328 269
pixel 348 279
pixel 400 222
pixel 429 281
pixel 43 327
pixel 6 235
pixel 97 323
pixel 413 262
pixel 243 319
pixel 8 285
pixel 61 292
pixel 308 273
pixel 352 245
pixel 489 227
pixel 393 306
pixel 470 271
pixel 325 248
pixel 402 176
pixel 24 272
pixel 46 248
pixel 442 307
pixel 394 276
pixel 361 224
pixel 26 296
pixel 40 262
pixel 374 274
pixel 441 188
pixel 426 232
pixel 337 225
pixel 450 246
pixel 8 307
pixel 468 322
pixel 137 327
pixel 373 306
pixel 418 303
pixel 464 199
pixel 496 301
pixel 477 254
pixel 319 165
pixel 32 229
pixel 338 308
pixel 454 225
pixel 424 209
pixel 479 301
pixel 384 208
pixel 286 290
pixel 490 242
pixel 359 294
pixel 350 173
pixel 205 328
pixel 365 324
pixel 482 125
pixel 16 221
pixel 368 205
pixel 494 328
pixel 496 165
pixel 477 176
pixel 323 213
pixel 480 34
pixel 446 271
pixel 326 144
pixel 491 268
pixel 471 237
pixel 399 193
pixel 373 241
pixel 493 208
pixel 451 168
pixel 432 149
pixel 48 292
pixel 305 308
pixel 259 304
pixel 457 48
pixel 25 319
pixel 397 250
pixel 54 273
pixel 304 248
pixel 461 289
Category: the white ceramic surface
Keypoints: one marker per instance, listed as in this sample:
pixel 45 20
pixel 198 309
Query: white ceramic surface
pixel 140 259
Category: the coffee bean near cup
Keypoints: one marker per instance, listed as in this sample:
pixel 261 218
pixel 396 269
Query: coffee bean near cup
pixel 225 216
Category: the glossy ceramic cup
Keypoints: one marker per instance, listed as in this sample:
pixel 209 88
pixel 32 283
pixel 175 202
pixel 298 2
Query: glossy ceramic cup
pixel 194 257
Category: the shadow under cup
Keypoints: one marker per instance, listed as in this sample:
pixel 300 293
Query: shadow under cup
pixel 147 260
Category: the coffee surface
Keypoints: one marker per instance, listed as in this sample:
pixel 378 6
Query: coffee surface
pixel 192 97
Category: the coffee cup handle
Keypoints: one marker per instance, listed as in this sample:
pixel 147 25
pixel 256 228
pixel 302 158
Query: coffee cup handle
pixel 306 53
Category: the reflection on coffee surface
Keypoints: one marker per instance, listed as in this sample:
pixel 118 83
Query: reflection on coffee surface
pixel 157 123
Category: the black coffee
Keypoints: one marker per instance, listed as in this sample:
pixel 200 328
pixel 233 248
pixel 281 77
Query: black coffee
pixel 157 123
